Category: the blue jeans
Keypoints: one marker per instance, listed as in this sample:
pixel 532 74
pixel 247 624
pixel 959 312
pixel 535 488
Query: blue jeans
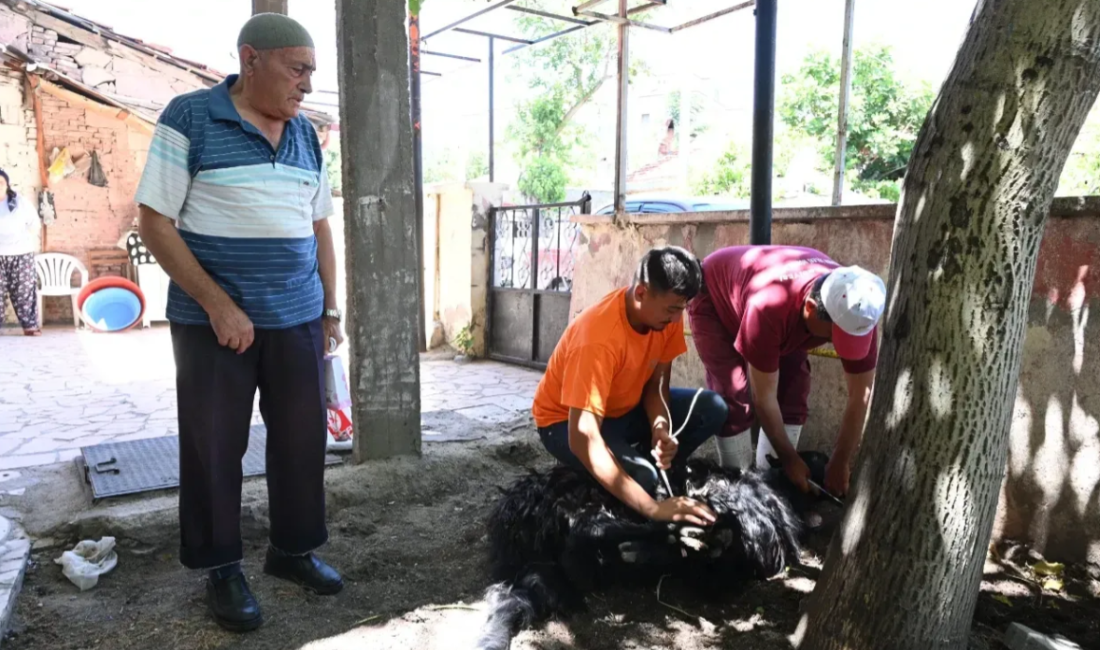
pixel 631 439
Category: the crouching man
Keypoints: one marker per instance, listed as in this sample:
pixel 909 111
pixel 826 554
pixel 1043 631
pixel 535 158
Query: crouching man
pixel 599 406
pixel 764 307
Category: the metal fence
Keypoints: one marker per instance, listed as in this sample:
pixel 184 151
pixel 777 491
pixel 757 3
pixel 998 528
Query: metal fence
pixel 534 252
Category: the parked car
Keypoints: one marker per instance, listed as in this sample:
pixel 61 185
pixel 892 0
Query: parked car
pixel 666 204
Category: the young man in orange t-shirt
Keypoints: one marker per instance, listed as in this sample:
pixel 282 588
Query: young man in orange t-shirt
pixel 599 407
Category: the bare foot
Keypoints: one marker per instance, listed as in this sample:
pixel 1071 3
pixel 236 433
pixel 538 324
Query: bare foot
pixel 32 332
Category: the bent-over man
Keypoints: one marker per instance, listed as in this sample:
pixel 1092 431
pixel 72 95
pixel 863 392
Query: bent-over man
pixel 764 308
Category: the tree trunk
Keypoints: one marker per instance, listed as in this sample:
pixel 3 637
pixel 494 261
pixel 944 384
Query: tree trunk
pixel 383 271
pixel 903 572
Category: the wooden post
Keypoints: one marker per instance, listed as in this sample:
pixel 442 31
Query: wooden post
pixel 622 72
pixel 845 93
pixel 269 6
pixel 380 220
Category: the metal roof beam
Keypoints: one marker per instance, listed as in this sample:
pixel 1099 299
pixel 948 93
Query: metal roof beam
pixel 503 3
pixel 619 20
pixel 646 7
pixel 717 14
pixel 474 32
pixel 447 55
pixel 550 37
pixel 586 5
pixel 547 14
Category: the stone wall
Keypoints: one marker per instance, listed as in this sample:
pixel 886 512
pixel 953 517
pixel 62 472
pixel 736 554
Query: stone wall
pixel 98 62
pixel 1051 496
pixel 457 257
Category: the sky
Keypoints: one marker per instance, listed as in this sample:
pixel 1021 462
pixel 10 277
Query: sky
pixel 924 35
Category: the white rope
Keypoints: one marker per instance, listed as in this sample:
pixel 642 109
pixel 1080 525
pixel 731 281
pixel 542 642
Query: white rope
pixel 668 411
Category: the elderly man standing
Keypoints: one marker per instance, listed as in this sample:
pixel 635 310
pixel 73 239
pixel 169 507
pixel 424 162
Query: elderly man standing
pixel 234 203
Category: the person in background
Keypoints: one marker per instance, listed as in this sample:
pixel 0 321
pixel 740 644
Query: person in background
pixel 19 232
pixel 234 203
pixel 599 406
pixel 764 307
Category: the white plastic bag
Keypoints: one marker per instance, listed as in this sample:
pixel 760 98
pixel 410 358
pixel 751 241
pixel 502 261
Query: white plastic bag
pixel 87 561
pixel 337 393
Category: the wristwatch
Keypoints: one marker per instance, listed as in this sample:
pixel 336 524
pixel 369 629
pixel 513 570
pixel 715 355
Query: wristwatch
pixel 333 314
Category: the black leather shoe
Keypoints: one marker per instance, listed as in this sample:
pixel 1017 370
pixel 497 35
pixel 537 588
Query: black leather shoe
pixel 305 570
pixel 232 604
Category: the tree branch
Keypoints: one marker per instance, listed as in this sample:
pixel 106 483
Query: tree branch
pixel 572 112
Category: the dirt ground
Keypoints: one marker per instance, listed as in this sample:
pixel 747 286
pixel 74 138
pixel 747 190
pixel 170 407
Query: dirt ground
pixel 408 537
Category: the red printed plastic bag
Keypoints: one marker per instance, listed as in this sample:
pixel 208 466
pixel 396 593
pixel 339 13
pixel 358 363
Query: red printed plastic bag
pixel 338 403
pixel 339 429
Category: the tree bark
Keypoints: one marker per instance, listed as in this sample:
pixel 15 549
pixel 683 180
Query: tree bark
pixel 380 218
pixel 903 572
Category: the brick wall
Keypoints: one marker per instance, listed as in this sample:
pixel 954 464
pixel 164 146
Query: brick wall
pixel 89 217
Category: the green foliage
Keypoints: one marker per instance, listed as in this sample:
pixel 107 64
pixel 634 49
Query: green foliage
pixel 730 176
pixel 476 165
pixel 563 76
pixel 414 7
pixel 544 179
pixel 698 124
pixel 1081 175
pixel 335 168
pixel 464 340
pixel 885 115
pixel 439 167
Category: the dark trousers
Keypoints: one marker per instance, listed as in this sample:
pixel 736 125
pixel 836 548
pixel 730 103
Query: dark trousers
pixel 18 282
pixel 728 372
pixel 216 388
pixel 631 439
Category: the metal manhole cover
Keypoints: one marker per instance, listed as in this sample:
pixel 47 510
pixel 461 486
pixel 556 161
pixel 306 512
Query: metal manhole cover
pixel 122 468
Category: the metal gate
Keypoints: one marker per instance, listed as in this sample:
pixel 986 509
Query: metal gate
pixel 533 250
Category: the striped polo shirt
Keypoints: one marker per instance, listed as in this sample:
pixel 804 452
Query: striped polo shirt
pixel 245 209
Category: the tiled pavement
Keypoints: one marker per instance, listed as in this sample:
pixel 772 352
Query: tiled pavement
pixel 15 548
pixel 68 389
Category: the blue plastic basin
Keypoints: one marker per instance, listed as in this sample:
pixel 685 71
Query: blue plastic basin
pixel 112 309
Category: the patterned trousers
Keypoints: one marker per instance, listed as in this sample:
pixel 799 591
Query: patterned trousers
pixel 17 281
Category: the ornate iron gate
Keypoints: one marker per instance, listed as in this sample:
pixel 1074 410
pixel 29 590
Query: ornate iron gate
pixel 533 252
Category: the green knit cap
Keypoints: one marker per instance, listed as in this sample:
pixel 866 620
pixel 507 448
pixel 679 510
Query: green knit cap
pixel 273 32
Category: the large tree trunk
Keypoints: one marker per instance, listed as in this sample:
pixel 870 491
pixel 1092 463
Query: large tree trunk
pixel 904 570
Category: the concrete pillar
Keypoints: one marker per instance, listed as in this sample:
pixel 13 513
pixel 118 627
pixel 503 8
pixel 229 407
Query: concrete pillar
pixel 380 222
pixel 269 6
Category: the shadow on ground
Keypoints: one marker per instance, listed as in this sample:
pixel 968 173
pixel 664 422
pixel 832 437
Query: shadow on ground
pixel 408 536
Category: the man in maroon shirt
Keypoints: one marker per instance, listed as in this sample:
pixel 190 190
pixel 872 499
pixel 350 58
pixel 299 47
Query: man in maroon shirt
pixel 763 308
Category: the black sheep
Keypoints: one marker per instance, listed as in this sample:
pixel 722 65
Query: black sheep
pixel 558 536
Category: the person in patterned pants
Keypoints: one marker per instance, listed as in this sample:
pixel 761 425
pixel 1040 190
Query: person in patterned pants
pixel 18 243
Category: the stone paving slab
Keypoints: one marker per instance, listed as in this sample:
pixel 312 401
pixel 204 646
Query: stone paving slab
pixel 1021 637
pixel 67 389
pixel 15 550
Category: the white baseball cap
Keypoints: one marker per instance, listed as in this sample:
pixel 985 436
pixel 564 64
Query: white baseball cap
pixel 855 299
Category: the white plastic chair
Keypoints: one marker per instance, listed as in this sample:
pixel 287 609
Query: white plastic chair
pixel 55 278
